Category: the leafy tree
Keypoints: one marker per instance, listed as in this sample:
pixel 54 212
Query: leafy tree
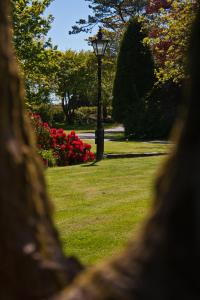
pixel 134 78
pixel 76 81
pixel 30 28
pixel 170 24
pixel 40 82
pixel 73 77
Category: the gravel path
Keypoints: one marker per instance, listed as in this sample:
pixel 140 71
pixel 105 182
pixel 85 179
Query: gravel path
pixel 117 129
pixel 91 135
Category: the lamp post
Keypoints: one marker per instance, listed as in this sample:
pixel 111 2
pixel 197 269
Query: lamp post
pixel 99 44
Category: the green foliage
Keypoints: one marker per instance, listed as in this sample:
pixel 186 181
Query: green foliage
pixel 48 157
pixel 76 82
pixel 73 78
pixel 108 76
pixel 58 115
pixel 74 73
pixel 30 28
pixel 69 76
pixel 134 78
pixel 169 38
pixel 45 110
pixel 86 115
pixel 162 109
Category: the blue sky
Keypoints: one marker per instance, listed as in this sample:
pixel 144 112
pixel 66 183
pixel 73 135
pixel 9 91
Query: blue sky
pixel 66 13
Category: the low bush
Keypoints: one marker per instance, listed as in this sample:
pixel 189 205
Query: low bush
pixel 48 157
pixel 58 115
pixel 85 115
pixel 44 110
pixel 88 115
pixel 66 148
pixel 48 112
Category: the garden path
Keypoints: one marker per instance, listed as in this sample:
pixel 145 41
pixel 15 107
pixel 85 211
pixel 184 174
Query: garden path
pixel 91 135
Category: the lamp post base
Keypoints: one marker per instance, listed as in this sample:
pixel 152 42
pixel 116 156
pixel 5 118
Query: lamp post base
pixel 99 141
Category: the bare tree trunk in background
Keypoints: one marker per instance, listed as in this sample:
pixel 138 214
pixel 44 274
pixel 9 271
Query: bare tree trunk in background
pixel 32 265
pixel 68 109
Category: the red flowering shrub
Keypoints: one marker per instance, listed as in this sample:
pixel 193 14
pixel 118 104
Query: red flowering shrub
pixel 67 148
pixel 42 131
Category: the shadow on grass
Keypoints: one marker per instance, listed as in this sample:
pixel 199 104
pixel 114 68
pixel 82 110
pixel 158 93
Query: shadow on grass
pixel 93 164
pixel 138 140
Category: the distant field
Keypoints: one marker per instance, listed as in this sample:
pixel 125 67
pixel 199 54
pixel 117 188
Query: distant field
pixel 97 208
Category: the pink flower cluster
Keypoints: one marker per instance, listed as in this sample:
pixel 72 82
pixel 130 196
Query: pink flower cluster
pixel 67 148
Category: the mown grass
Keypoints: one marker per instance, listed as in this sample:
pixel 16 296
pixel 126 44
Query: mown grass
pixel 97 208
pixel 131 147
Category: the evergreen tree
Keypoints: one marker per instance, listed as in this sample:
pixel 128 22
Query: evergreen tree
pixel 111 14
pixel 134 78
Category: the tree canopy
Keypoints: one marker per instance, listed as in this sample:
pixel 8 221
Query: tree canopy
pixel 111 14
pixel 30 28
pixel 170 25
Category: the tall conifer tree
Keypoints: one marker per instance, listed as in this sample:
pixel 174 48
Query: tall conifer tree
pixel 134 78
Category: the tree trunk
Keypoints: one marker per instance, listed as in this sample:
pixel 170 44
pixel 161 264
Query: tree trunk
pixel 32 265
pixel 67 110
pixel 105 113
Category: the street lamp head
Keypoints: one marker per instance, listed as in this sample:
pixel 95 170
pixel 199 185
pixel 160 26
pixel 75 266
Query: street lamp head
pixel 99 44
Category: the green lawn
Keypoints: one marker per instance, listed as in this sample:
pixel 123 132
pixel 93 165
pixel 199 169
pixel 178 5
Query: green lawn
pixel 97 208
pixel 131 147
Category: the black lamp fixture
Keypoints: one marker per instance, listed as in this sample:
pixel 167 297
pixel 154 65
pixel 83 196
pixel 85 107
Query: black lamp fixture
pixel 100 45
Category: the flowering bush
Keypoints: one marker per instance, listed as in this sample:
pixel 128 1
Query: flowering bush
pixel 67 148
pixel 42 131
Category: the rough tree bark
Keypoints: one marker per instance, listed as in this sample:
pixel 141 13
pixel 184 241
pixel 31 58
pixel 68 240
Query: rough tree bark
pixel 164 261
pixel 32 265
